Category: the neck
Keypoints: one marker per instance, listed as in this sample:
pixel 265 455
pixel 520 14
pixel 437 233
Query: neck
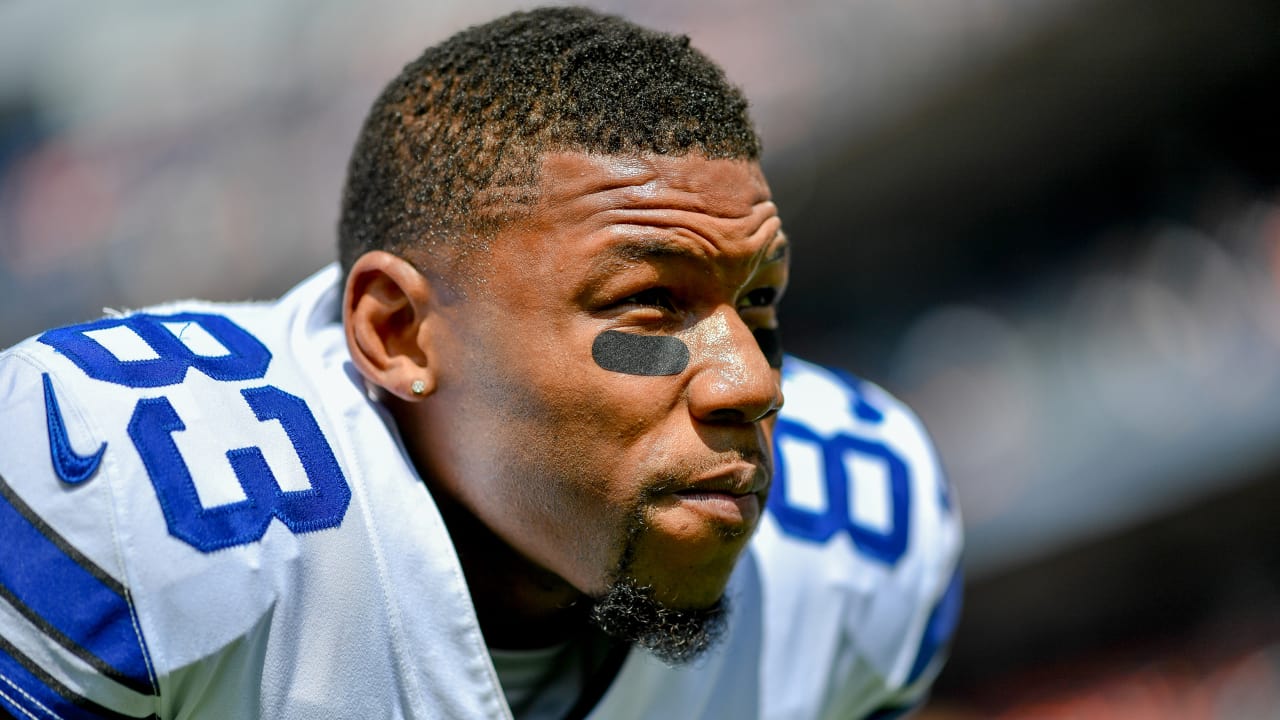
pixel 520 605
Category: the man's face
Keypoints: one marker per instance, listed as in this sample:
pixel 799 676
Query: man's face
pixel 621 455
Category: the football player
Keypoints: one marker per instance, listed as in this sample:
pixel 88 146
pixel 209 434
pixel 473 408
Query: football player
pixel 522 453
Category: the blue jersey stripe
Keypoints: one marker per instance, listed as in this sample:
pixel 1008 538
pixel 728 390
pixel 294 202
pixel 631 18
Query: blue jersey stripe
pixel 942 624
pixel 26 691
pixel 68 597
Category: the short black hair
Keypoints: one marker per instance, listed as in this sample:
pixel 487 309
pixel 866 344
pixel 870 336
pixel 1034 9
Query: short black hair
pixel 476 113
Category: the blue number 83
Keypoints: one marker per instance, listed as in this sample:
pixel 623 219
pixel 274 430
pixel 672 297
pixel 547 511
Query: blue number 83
pixel 154 420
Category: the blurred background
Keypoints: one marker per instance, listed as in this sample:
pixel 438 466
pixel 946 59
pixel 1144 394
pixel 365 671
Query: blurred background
pixel 1053 226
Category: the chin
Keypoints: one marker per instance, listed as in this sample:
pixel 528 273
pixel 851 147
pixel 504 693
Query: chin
pixel 689 599
pixel 680 577
pixel 630 612
pixel 680 583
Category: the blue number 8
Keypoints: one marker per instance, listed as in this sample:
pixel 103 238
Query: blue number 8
pixel 154 421
pixel 818 526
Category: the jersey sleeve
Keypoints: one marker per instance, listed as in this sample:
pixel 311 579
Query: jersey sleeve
pixel 71 645
pixel 859 553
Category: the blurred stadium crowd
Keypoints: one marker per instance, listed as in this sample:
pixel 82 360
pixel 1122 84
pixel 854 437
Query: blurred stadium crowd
pixel 1052 225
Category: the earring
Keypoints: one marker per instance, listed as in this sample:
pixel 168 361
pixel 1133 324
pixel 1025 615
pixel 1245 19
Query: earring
pixel 418 388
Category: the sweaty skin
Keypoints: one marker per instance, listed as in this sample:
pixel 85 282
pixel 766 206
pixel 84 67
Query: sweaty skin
pixel 551 470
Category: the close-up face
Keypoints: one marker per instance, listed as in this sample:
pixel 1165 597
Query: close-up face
pixel 605 392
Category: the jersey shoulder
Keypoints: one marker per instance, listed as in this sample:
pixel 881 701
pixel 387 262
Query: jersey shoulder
pixel 859 549
pixel 139 450
pixel 201 487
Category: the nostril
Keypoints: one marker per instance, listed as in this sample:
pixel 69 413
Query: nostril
pixel 726 416
pixel 743 415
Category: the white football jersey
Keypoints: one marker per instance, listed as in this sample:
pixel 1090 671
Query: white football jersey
pixel 205 516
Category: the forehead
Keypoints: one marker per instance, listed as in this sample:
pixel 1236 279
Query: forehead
pixel 713 207
pixel 718 187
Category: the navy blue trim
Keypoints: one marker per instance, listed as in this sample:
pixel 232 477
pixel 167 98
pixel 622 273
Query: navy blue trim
pixel 942 624
pixel 69 598
pixel 38 686
pixel 890 713
pixel 70 465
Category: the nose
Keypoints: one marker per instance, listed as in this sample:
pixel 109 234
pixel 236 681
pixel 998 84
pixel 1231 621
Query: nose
pixel 733 382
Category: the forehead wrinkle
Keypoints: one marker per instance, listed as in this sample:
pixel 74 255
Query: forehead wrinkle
pixel 599 193
pixel 683 243
pixel 655 197
pixel 660 197
pixel 644 204
pixel 717 235
pixel 601 183
pixel 772 227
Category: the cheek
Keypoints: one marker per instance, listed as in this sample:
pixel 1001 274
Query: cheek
pixel 596 415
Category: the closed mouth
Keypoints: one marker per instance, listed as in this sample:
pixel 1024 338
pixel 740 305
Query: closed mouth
pixel 736 479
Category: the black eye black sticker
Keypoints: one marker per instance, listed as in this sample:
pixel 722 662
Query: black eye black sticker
pixel 770 341
pixel 640 354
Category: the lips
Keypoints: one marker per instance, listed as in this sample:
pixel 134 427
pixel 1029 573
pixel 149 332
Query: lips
pixel 729 495
pixel 737 479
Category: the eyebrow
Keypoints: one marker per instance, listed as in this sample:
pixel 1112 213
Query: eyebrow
pixel 644 248
pixel 640 249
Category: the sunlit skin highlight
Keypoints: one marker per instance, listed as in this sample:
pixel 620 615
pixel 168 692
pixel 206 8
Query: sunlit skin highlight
pixel 552 472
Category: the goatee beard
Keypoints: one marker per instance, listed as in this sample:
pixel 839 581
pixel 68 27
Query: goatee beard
pixel 629 612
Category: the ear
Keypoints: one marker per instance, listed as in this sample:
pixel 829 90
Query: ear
pixel 386 306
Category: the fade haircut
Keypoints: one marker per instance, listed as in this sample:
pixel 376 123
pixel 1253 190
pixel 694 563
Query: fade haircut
pixel 450 151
